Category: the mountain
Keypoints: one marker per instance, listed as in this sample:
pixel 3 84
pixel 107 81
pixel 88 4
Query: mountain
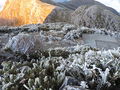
pixel 79 12
pixel 21 12
pixel 92 16
pixel 74 4
pixel 96 16
pixel 59 15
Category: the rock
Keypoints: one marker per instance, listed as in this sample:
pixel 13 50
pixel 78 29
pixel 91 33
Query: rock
pixel 24 43
pixel 59 15
pixel 96 16
pixel 23 12
pixel 20 12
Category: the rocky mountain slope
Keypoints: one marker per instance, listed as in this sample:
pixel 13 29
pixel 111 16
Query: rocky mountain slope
pixel 90 13
pixel 96 16
pixel 20 12
pixel 74 4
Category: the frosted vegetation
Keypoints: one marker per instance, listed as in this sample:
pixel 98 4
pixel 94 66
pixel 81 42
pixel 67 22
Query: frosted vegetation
pixel 84 68
pixel 51 35
pixel 53 57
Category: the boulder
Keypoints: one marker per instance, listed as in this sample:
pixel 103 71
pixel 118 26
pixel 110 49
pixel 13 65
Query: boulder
pixel 24 43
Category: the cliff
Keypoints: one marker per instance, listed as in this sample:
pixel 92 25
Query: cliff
pixel 19 12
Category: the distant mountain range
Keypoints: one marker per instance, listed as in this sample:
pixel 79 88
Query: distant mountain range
pixel 74 4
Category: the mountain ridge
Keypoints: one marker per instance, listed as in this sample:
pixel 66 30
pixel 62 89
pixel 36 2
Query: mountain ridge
pixel 24 12
pixel 74 4
pixel 21 12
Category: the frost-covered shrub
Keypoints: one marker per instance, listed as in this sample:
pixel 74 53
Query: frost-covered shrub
pixel 34 75
pixel 99 68
pixel 84 67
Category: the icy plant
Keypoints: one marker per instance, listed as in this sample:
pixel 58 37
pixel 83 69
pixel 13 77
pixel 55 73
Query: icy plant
pixel 32 75
pixel 86 67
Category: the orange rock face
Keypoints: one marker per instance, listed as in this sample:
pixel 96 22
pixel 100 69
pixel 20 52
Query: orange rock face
pixel 20 12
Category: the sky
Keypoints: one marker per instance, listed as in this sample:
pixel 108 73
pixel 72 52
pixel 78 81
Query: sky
pixel 2 3
pixel 111 3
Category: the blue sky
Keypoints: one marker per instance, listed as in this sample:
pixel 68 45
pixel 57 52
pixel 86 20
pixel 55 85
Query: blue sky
pixel 111 3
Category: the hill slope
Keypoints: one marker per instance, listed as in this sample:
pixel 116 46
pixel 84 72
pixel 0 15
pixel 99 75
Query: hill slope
pixel 96 16
pixel 74 4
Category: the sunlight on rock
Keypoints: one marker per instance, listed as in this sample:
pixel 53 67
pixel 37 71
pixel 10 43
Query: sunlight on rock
pixel 26 11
